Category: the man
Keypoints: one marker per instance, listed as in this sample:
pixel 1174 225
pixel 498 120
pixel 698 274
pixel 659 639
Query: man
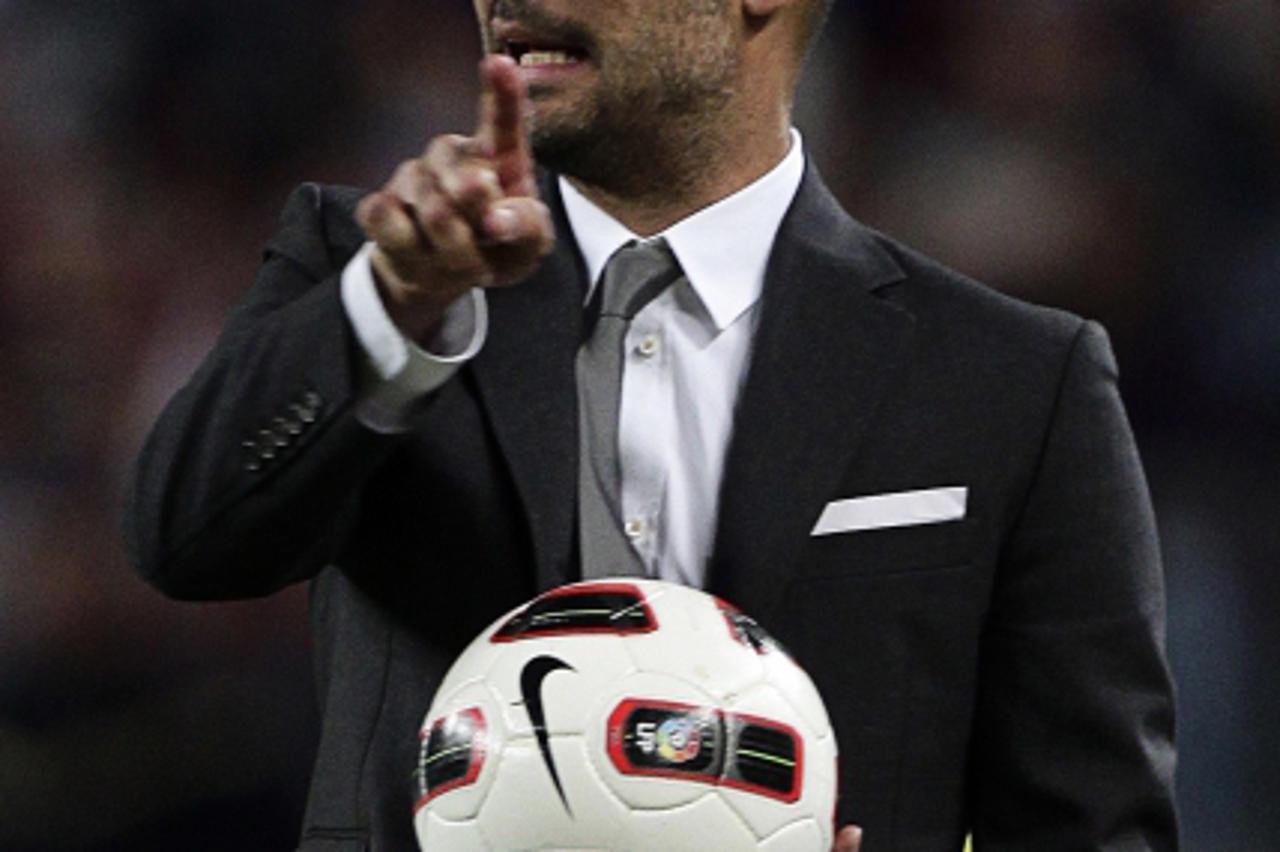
pixel 927 490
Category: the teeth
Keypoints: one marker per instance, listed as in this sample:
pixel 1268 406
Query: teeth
pixel 545 57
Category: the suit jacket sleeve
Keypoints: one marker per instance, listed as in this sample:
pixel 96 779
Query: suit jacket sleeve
pixel 252 476
pixel 1074 741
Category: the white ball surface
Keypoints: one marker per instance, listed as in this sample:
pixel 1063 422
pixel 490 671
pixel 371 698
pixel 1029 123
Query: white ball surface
pixel 626 715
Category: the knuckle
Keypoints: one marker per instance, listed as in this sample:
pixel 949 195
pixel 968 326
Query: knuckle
pixel 444 149
pixel 472 147
pixel 451 234
pixel 392 240
pixel 381 229
pixel 422 185
pixel 462 187
pixel 476 184
pixel 400 235
pixel 403 172
pixel 436 215
pixel 368 210
pixel 447 182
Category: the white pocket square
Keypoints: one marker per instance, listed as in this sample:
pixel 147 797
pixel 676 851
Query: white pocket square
pixel 899 509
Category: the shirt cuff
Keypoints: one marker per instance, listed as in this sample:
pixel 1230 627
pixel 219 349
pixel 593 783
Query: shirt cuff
pixel 397 372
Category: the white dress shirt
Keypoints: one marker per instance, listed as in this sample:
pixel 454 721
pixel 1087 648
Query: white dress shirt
pixel 687 355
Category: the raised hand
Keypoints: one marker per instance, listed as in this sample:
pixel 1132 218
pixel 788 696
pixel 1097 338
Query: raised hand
pixel 464 214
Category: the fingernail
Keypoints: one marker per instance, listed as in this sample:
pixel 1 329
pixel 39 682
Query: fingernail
pixel 501 223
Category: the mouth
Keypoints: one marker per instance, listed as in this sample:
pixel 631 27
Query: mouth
pixel 540 49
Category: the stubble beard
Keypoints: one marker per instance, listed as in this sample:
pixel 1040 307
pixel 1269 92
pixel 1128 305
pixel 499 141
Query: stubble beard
pixel 650 124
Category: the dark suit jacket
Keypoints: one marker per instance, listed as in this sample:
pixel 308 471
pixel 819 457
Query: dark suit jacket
pixel 1003 674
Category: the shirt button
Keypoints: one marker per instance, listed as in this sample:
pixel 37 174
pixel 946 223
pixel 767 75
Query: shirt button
pixel 648 346
pixel 634 528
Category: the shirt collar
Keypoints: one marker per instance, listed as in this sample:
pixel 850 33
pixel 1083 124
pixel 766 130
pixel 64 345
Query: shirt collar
pixel 723 249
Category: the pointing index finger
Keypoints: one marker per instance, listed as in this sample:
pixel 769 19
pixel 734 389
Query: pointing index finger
pixel 501 132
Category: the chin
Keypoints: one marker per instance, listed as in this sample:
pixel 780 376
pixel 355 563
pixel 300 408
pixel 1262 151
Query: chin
pixel 568 146
pixel 585 144
pixel 560 153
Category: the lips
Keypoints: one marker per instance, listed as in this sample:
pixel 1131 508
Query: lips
pixel 540 47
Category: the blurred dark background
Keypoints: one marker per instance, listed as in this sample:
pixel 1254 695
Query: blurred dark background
pixel 1120 158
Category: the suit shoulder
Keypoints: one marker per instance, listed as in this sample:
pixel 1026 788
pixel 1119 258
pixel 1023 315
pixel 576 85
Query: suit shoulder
pixel 341 199
pixel 311 201
pixel 953 307
pixel 958 316
pixel 317 228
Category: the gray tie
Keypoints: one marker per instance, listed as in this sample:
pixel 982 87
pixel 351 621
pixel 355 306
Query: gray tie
pixel 633 277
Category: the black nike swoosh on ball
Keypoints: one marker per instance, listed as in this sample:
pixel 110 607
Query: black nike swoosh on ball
pixel 531 677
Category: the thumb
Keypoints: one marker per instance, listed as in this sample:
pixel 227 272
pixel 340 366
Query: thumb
pixel 849 839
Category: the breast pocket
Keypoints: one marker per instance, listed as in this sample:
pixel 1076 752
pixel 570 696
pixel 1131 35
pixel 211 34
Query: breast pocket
pixel 890 550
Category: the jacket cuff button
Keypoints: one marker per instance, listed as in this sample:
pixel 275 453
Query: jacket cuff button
pixel 287 427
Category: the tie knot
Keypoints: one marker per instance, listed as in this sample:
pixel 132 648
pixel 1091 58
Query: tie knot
pixel 635 275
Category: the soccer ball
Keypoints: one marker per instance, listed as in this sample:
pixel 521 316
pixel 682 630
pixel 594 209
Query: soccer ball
pixel 626 715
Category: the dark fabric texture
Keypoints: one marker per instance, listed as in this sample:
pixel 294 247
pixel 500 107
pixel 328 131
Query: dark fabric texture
pixel 1003 674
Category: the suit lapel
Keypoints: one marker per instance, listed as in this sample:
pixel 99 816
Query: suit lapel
pixel 525 374
pixel 825 352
